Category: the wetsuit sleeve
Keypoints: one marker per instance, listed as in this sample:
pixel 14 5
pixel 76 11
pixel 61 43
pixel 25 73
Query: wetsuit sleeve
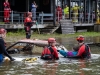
pixel 81 50
pixel 4 50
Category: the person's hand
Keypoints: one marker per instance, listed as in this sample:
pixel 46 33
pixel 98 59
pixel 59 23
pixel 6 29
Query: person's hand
pixel 34 21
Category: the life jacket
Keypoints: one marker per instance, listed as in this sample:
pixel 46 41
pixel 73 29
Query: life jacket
pixel 86 54
pixel 28 22
pixel 66 10
pixel 58 10
pixel 75 9
pixel 48 54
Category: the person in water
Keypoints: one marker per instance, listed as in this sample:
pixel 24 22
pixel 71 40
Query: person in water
pixel 2 45
pixel 83 51
pixel 69 53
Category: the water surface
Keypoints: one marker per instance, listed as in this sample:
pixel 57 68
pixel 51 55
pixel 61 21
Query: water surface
pixel 63 66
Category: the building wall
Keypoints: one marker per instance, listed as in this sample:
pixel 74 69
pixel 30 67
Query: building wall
pixel 22 5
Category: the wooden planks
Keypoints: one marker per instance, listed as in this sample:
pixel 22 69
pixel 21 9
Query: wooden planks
pixel 67 27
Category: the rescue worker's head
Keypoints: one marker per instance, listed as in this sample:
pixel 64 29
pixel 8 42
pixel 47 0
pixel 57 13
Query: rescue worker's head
pixel 3 32
pixel 29 14
pixel 80 38
pixel 34 2
pixel 51 41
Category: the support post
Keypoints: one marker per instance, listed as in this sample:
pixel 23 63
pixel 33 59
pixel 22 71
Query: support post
pixel 54 13
pixel 42 18
pixel 12 16
pixel 96 3
pixel 27 4
pixel 69 9
pixel 84 10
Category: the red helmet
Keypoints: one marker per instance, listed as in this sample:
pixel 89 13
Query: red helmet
pixel 29 13
pixel 51 40
pixel 2 30
pixel 80 38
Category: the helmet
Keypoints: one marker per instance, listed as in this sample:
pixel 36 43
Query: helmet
pixel 2 30
pixel 80 38
pixel 29 13
pixel 51 40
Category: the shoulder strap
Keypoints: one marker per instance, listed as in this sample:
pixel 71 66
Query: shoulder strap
pixel 87 50
pixel 51 50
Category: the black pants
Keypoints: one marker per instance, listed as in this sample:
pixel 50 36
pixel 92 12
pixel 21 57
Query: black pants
pixel 28 32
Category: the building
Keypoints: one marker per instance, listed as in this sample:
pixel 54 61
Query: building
pixel 49 6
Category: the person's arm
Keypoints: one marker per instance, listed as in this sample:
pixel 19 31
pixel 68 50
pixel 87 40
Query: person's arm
pixel 42 54
pixel 81 50
pixel 29 23
pixel 4 50
pixel 34 6
pixel 9 7
pixel 56 53
pixel 4 4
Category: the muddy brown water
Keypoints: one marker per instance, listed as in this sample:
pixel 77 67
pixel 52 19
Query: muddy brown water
pixel 63 66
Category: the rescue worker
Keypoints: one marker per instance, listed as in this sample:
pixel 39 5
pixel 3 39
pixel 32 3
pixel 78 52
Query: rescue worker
pixel 28 23
pixel 84 50
pixel 80 51
pixel 66 12
pixel 59 13
pixel 7 11
pixel 50 51
pixel 33 10
pixel 2 45
pixel 75 13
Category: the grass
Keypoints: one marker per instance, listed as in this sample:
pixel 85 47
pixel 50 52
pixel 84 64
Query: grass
pixel 2 22
pixel 20 34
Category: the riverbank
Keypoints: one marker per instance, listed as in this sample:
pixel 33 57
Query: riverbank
pixel 15 36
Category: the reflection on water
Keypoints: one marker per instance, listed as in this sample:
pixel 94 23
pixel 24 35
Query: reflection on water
pixel 64 66
pixel 69 43
pixel 69 67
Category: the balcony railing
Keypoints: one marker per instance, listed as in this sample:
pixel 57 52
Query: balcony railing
pixel 42 18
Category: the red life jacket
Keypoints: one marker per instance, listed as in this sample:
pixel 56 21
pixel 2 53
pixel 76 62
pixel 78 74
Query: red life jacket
pixel 47 54
pixel 28 22
pixel 84 51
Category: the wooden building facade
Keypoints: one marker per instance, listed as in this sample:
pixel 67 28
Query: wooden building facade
pixel 49 6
